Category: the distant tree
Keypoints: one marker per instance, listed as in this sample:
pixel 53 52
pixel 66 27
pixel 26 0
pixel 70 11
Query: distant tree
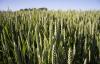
pixel 43 9
pixel 26 9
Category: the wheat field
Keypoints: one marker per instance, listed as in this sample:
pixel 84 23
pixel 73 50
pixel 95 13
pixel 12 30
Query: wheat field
pixel 50 37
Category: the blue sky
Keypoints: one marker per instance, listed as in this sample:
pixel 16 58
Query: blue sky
pixel 50 4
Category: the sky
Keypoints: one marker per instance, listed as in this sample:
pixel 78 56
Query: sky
pixel 50 4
